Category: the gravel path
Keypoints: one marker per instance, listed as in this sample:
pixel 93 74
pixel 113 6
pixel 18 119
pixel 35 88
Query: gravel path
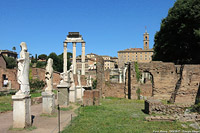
pixel 43 124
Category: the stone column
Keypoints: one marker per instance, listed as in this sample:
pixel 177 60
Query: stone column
pixel 65 58
pixel 83 59
pixel 120 76
pixel 74 57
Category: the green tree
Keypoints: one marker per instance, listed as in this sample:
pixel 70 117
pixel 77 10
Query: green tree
pixel 42 57
pixel 56 61
pixel 14 48
pixel 41 64
pixel 11 62
pixel 178 40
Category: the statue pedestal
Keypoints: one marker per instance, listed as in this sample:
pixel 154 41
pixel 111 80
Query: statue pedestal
pixel 79 93
pixel 63 94
pixel 48 103
pixel 72 94
pixel 21 111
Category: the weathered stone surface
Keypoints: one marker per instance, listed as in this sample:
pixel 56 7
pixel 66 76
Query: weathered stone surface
pixel 156 106
pixel 100 74
pixel 48 103
pixel 195 125
pixel 164 80
pixel 36 100
pixel 21 111
pixel 91 97
pixel 23 71
pixel 114 90
pixel 49 76
pixel 160 118
pixel 63 94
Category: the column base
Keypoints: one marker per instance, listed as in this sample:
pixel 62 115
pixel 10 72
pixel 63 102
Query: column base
pixel 72 94
pixel 48 103
pixel 21 111
pixel 63 94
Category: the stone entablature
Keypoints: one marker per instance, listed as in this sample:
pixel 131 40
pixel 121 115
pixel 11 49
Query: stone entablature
pixel 74 37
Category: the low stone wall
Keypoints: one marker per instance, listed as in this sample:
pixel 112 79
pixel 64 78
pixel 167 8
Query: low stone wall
pixel 36 100
pixel 157 107
pixel 91 97
pixel 114 90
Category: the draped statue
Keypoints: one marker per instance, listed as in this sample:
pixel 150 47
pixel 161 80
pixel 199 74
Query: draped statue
pixel 23 70
pixel 49 75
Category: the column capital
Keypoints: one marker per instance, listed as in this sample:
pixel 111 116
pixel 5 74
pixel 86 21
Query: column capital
pixel 74 44
pixel 65 44
pixel 83 44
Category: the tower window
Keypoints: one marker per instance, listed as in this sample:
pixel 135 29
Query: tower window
pixel 146 43
pixel 145 37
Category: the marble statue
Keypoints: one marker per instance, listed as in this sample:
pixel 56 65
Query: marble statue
pixel 79 77
pixel 23 70
pixel 120 75
pixel 124 73
pixel 90 81
pixel 49 75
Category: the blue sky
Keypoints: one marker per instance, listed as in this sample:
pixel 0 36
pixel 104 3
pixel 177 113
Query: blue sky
pixel 107 26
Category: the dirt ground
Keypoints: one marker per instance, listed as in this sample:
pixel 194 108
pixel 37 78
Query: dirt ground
pixel 43 124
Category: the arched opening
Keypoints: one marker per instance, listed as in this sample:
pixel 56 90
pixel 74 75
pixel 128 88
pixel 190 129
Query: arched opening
pixel 147 84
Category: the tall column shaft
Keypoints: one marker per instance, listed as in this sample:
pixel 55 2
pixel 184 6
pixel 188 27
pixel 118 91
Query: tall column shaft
pixel 65 58
pixel 74 57
pixel 83 59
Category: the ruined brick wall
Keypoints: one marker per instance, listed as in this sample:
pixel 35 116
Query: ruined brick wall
pixel 190 84
pixel 39 73
pixel 157 107
pixel 82 78
pixel 2 62
pixel 107 74
pixel 100 74
pixel 114 90
pixel 11 74
pixel 91 97
pixel 165 77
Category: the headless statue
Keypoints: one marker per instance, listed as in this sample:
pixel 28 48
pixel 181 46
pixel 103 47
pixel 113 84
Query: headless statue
pixel 23 71
pixel 49 75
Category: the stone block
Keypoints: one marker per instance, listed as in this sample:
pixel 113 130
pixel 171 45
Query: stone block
pixel 63 94
pixel 48 103
pixel 72 94
pixel 21 111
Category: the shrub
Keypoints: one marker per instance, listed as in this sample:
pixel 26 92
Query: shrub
pixel 36 84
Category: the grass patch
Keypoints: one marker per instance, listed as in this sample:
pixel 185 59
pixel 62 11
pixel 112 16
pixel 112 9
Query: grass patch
pixel 36 94
pixel 118 116
pixel 66 109
pixel 5 103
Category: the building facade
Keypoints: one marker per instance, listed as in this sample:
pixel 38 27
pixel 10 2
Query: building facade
pixel 136 54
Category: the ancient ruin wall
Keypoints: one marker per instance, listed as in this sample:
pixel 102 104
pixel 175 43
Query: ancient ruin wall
pixel 164 82
pixel 189 84
pixel 100 74
pixel 11 74
pixel 37 73
pixel 114 90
